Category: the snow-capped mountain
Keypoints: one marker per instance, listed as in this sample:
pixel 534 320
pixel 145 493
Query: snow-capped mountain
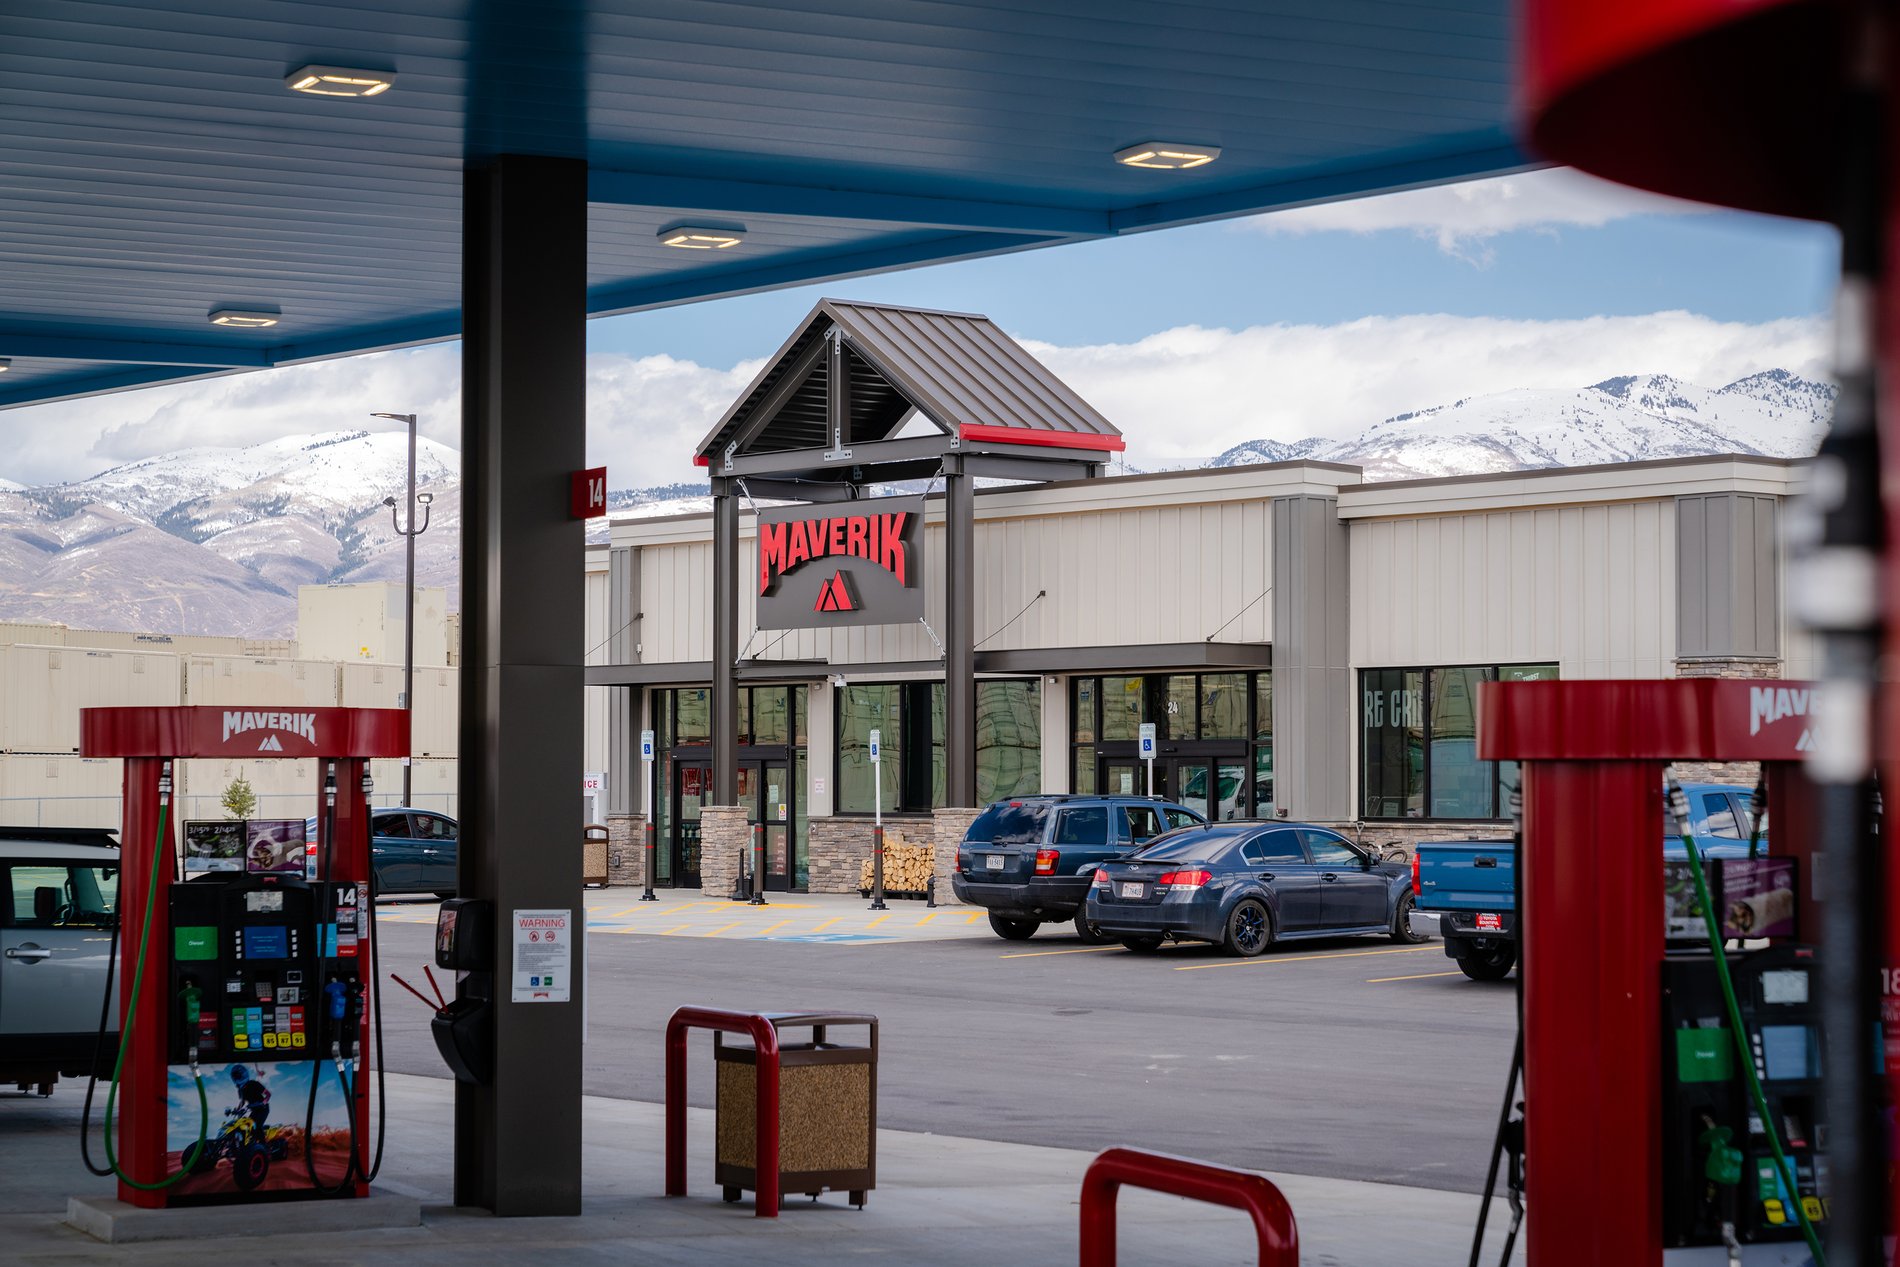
pixel 217 540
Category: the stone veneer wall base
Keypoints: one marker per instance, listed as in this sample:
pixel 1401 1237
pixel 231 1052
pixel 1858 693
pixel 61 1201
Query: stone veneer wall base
pixel 626 850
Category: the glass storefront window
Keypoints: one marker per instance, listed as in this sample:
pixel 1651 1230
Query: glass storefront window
pixel 1082 715
pixel 911 716
pixel 1263 706
pixel 1224 706
pixel 1122 708
pixel 1178 709
pixel 1418 742
pixel 1008 740
pixel 1263 781
pixel 693 715
pixel 768 714
pixel 862 709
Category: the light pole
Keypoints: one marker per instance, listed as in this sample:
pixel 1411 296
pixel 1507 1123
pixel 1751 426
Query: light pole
pixel 410 533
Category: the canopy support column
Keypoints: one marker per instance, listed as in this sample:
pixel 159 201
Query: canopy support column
pixel 725 648
pixel 959 637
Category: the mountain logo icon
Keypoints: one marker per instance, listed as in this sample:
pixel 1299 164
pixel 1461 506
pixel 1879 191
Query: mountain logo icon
pixel 270 744
pixel 835 595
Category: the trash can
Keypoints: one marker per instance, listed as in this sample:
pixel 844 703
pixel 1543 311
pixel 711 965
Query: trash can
pixel 827 1110
pixel 594 854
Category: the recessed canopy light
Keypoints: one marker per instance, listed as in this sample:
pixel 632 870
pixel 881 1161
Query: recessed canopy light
pixel 339 81
pixel 699 238
pixel 244 318
pixel 1167 156
pixel 5 364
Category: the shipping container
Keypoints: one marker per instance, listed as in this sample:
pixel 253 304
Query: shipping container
pixel 42 690
pixel 365 623
pixel 182 644
pixel 432 784
pixel 34 632
pixel 284 787
pixel 433 730
pixel 247 681
pixel 60 791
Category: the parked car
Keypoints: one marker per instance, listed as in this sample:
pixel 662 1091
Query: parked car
pixel 1029 860
pixel 62 894
pixel 1247 884
pixel 1466 889
pixel 410 850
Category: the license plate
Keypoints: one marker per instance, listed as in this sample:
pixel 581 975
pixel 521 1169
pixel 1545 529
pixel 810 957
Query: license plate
pixel 1490 923
pixel 1134 890
pixel 993 862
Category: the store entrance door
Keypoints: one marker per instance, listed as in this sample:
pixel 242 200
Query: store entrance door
pixel 1213 786
pixel 765 789
pixel 692 791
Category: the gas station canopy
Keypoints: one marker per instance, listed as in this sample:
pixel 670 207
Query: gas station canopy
pixel 177 176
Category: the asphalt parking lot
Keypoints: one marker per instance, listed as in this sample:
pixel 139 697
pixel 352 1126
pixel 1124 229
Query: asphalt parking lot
pixel 1348 1058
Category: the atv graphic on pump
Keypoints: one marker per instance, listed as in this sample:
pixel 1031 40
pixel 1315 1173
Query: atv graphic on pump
pixel 250 1150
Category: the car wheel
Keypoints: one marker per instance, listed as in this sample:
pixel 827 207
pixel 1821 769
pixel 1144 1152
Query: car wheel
pixel 1089 933
pixel 1491 964
pixel 1142 945
pixel 1402 922
pixel 1249 929
pixel 1013 929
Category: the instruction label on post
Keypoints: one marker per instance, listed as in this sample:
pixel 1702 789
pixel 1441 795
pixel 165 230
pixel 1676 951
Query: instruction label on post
pixel 544 956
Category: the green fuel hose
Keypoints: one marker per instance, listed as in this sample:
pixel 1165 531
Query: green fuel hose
pixel 118 1065
pixel 1679 806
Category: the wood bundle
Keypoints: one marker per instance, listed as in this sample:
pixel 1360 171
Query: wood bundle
pixel 906 867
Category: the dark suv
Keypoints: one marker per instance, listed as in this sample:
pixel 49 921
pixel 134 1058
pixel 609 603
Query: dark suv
pixel 1030 860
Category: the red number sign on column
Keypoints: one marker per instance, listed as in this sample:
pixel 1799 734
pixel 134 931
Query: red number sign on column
pixel 587 498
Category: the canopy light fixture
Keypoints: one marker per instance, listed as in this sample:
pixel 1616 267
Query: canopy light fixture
pixel 1167 156
pixel 5 364
pixel 700 238
pixel 244 318
pixel 339 81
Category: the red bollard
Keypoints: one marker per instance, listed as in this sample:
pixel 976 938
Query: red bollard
pixel 765 1041
pixel 1116 1168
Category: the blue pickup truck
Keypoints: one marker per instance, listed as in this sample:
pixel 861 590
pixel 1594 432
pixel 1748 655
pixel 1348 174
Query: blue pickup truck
pixel 1464 890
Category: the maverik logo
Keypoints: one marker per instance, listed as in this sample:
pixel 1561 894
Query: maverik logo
pixel 238 722
pixel 1770 704
pixel 877 539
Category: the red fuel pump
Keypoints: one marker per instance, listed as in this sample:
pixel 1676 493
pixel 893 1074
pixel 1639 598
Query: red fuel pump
pixel 247 985
pixel 1639 1135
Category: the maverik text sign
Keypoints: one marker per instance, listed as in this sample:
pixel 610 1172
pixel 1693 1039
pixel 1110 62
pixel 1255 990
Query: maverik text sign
pixel 854 564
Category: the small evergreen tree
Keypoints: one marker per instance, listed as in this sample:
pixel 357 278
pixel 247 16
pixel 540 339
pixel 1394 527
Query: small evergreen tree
pixel 239 800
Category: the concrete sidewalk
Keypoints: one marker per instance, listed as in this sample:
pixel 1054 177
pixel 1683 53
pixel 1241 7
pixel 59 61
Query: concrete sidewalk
pixel 940 1202
pixel 832 918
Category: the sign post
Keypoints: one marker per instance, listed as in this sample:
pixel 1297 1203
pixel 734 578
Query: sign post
pixel 877 827
pixel 1148 752
pixel 653 808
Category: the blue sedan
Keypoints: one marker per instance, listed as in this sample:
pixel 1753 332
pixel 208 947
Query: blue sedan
pixel 1245 885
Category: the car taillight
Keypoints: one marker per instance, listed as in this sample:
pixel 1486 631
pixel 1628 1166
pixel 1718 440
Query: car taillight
pixel 1101 878
pixel 1183 879
pixel 1046 861
pixel 1415 892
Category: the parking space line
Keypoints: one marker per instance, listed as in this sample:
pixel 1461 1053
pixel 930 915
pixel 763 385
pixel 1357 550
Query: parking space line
pixel 879 920
pixel 827 924
pixel 671 931
pixel 722 928
pixel 1419 976
pixel 926 919
pixel 773 928
pixel 1344 954
pixel 1075 950
pixel 973 917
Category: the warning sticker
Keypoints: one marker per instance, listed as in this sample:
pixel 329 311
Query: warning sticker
pixel 544 956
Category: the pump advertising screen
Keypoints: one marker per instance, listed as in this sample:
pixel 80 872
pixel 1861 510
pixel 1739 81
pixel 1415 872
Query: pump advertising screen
pixel 255 1140
pixel 275 845
pixel 214 847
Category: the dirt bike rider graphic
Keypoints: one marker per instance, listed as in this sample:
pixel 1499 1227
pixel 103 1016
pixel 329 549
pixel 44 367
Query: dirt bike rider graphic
pixel 253 1097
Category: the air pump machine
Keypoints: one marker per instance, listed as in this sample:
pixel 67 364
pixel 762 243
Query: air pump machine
pixel 1656 1128
pixel 246 988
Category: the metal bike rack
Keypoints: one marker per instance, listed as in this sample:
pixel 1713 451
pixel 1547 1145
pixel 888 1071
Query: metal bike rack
pixel 1117 1168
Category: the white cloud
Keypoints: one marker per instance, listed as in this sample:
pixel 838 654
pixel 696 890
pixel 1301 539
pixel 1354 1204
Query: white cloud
pixel 1462 218
pixel 1181 395
pixel 1185 394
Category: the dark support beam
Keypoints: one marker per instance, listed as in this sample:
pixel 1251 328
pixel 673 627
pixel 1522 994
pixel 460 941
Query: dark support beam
pixel 959 638
pixel 837 393
pixel 524 430
pixel 799 490
pixel 725 643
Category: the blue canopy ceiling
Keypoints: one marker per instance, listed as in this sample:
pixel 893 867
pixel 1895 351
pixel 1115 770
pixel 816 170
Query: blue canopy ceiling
pixel 155 167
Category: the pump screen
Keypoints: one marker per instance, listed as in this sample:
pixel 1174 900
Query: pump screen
pixel 1787 1053
pixel 1785 985
pixel 264 900
pixel 269 942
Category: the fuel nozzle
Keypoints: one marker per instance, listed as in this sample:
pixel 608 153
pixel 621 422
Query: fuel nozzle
pixel 329 785
pixel 1721 1160
pixel 165 784
pixel 1678 804
pixel 193 999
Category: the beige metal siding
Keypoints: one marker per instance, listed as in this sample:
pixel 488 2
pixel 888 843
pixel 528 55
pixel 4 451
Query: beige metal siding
pixel 1592 588
pixel 285 787
pixel 32 632
pixel 438 701
pixel 243 680
pixel 60 791
pixel 42 690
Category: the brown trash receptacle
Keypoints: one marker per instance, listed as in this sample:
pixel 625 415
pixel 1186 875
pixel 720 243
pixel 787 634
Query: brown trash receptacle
pixel 827 1139
pixel 594 854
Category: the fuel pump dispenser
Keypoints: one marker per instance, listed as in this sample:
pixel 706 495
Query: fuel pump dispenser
pixel 249 969
pixel 1673 1086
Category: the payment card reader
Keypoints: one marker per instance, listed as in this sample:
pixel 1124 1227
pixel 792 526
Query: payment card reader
pixel 1718 1159
pixel 465 1030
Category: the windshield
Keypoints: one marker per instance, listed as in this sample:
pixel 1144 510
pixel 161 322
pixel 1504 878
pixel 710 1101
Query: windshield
pixel 1184 846
pixel 1010 823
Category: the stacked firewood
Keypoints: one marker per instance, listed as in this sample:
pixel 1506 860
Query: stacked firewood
pixel 906 866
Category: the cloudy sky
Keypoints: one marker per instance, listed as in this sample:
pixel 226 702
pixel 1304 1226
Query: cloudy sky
pixel 1315 321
